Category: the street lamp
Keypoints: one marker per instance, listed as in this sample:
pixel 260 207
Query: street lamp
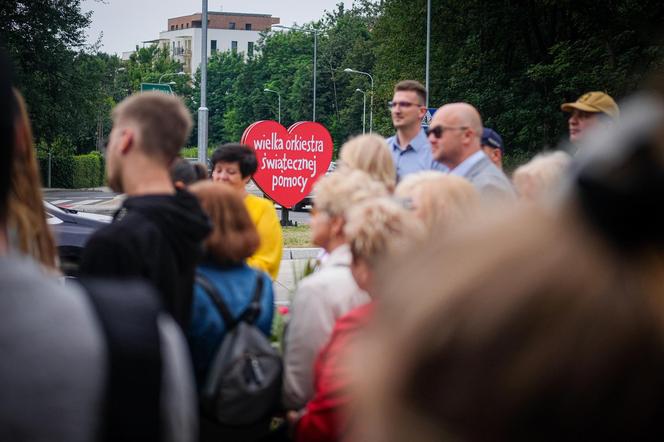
pixel 171 73
pixel 315 32
pixel 279 97
pixel 353 71
pixel 364 108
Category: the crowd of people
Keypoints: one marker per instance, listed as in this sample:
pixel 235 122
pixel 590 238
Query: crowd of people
pixel 451 301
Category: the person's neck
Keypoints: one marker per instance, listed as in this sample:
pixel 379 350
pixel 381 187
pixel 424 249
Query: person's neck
pixel 406 134
pixel 334 244
pixel 455 163
pixel 147 178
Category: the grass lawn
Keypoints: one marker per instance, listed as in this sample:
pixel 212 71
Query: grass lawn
pixel 297 236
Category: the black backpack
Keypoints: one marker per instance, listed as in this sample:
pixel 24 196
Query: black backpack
pixel 243 384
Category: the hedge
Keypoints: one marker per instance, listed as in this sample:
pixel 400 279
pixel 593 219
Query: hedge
pixel 73 172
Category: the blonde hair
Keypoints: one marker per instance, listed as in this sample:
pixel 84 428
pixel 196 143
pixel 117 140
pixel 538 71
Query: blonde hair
pixel 379 228
pixel 440 200
pixel 163 122
pixel 371 154
pixel 26 214
pixel 234 237
pixel 541 174
pixel 344 188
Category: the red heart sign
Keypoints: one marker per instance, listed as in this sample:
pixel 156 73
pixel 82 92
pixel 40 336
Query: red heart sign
pixel 289 161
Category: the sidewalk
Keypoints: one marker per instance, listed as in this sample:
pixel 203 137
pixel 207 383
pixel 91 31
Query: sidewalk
pixel 292 265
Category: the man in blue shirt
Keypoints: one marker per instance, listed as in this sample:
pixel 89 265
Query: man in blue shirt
pixel 410 148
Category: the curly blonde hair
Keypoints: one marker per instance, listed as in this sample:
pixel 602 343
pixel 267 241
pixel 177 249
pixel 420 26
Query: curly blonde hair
pixel 380 227
pixel 371 154
pixel 344 188
pixel 439 200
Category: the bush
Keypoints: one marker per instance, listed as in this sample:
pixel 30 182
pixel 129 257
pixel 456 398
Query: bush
pixel 73 172
pixel 88 171
pixel 192 152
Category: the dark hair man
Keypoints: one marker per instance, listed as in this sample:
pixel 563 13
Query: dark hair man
pixel 590 110
pixel 158 231
pixel 410 148
pixel 64 375
pixel 492 146
pixel 234 164
pixel 455 133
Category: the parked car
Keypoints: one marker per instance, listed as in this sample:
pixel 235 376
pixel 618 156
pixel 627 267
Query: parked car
pixel 72 229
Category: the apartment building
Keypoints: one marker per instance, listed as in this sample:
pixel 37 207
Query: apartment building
pixel 226 31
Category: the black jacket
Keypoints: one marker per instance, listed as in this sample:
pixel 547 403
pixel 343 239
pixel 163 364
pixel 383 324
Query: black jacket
pixel 156 237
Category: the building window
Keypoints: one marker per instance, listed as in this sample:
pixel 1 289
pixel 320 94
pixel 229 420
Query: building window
pixel 247 27
pixel 231 25
pixel 187 25
pixel 172 27
pixel 213 46
pixel 250 49
pixel 234 46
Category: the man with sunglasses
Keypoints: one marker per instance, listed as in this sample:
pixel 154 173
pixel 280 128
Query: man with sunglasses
pixel 410 148
pixel 455 133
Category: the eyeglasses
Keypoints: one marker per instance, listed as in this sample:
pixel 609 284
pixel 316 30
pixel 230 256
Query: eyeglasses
pixel 404 104
pixel 438 130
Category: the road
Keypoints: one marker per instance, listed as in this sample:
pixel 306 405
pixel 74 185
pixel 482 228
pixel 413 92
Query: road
pixel 104 201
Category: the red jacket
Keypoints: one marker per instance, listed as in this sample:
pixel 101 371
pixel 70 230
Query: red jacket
pixel 321 421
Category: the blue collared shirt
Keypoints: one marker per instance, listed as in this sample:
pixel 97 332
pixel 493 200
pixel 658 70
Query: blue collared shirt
pixel 415 157
pixel 463 168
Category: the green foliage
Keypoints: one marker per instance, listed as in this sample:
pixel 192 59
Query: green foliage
pixel 518 61
pixel 88 171
pixel 515 61
pixel 192 152
pixel 72 171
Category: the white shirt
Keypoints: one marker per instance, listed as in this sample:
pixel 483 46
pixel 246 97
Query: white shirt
pixel 320 300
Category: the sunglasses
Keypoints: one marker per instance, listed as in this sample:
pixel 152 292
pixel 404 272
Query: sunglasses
pixel 439 130
pixel 404 104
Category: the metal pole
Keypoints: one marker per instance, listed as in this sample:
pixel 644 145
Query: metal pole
pixel 315 53
pixel 364 112
pixel 279 114
pixel 50 156
pixel 428 50
pixel 371 107
pixel 203 110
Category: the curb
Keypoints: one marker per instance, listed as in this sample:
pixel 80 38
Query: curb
pixel 300 253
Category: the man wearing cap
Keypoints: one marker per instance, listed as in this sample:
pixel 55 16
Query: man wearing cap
pixel 590 110
pixel 492 146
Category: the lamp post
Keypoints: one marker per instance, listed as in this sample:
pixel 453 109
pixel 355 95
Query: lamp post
pixel 353 71
pixel 428 50
pixel 203 110
pixel 279 97
pixel 315 32
pixel 364 108
pixel 181 73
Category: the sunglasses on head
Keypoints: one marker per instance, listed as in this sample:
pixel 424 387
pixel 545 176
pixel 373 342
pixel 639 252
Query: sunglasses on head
pixel 439 130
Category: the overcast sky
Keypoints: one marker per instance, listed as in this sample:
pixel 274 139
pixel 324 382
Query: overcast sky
pixel 126 23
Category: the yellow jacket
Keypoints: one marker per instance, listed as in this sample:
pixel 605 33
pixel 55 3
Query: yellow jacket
pixel 268 255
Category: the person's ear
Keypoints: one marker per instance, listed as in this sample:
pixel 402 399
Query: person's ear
pixel 337 225
pixel 180 185
pixel 127 140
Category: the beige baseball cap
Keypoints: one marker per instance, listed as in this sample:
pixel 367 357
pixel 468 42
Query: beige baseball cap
pixel 594 102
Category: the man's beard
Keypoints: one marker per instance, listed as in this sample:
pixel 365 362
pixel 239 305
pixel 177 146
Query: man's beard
pixel 115 182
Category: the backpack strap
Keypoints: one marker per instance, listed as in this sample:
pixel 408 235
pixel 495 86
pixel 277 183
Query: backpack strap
pixel 252 312
pixel 128 313
pixel 216 298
